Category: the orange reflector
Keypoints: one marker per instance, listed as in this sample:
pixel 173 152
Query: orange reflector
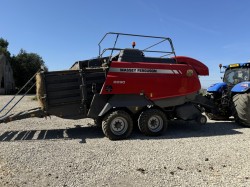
pixel 133 44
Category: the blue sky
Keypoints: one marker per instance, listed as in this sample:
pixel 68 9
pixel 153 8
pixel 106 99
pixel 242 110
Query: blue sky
pixel 63 32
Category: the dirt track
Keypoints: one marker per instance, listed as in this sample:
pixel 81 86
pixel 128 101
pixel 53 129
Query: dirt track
pixel 57 152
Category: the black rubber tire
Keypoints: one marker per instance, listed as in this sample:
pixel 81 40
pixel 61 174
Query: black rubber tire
pixel 241 109
pixel 117 119
pixel 150 116
pixel 201 120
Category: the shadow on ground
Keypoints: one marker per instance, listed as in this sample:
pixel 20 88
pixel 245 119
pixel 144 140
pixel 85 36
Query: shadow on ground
pixel 175 130
pixel 78 132
pixel 180 129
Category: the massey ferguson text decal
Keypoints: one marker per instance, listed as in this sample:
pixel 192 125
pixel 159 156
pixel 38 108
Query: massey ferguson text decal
pixel 144 70
pixel 138 70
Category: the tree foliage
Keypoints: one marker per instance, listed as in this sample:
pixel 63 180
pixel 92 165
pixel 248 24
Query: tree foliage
pixel 4 48
pixel 4 43
pixel 24 66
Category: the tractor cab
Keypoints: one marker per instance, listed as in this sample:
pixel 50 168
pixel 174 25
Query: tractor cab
pixel 236 73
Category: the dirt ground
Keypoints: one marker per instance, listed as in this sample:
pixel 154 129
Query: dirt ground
pixel 58 152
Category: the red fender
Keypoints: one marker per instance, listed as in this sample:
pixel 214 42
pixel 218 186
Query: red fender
pixel 200 68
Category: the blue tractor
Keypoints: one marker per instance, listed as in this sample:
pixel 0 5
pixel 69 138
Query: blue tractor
pixel 232 96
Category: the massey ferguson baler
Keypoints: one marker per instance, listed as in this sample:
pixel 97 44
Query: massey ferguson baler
pixel 126 88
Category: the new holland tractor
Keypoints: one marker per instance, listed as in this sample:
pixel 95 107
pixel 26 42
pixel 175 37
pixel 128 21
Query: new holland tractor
pixel 232 96
pixel 130 86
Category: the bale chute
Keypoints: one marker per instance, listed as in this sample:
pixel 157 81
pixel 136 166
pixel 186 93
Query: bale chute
pixel 40 90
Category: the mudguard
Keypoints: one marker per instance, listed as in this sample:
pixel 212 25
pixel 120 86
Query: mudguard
pixel 200 68
pixel 217 87
pixel 127 101
pixel 241 87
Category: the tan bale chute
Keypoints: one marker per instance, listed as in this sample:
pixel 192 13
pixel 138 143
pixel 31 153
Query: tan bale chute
pixel 40 90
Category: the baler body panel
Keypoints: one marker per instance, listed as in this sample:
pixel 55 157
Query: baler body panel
pixel 154 80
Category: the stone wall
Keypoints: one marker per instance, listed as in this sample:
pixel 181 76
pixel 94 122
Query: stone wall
pixel 7 83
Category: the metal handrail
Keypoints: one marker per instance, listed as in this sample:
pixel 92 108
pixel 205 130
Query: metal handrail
pixel 147 51
pixel 136 35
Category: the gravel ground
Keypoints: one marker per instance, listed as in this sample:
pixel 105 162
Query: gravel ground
pixel 56 152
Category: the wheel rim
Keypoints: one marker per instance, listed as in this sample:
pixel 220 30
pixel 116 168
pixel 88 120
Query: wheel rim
pixel 155 123
pixel 119 126
pixel 203 120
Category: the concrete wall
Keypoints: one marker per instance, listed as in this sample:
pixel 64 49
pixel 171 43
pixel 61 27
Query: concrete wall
pixel 7 83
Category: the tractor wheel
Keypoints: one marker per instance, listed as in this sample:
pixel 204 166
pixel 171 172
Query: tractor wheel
pixel 117 125
pixel 241 109
pixel 152 122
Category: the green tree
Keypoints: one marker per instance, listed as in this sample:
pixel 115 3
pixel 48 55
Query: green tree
pixel 4 48
pixel 24 66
